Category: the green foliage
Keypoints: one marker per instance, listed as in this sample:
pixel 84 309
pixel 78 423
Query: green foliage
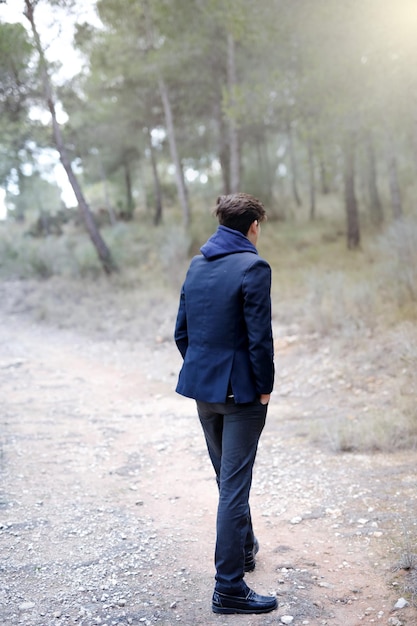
pixel 37 197
pixel 140 249
pixel 24 257
pixel 312 72
pixel 17 91
pixel 15 53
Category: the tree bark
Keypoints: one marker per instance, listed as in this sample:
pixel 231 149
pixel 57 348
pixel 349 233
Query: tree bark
pixel 264 167
pixel 233 127
pixel 224 152
pixel 169 120
pixel 351 205
pixel 415 127
pixel 324 184
pixel 179 174
pixel 19 212
pixel 102 250
pixel 107 202
pixel 293 163
pixel 377 215
pixel 157 186
pixel 311 178
pixel 129 194
pixel 394 185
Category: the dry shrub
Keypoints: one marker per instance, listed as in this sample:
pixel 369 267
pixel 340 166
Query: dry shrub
pixel 154 254
pixel 404 546
pixel 26 257
pixel 408 353
pixel 411 585
pixel 375 431
pixel 397 249
pixel 173 251
pixel 391 425
pixel 336 304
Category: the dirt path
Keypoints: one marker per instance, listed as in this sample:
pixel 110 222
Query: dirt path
pixel 107 501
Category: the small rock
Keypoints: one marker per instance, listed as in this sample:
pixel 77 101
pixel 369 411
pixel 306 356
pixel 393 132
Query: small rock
pixel 394 621
pixel 287 619
pixel 173 605
pixel 26 606
pixel 296 520
pixel 401 603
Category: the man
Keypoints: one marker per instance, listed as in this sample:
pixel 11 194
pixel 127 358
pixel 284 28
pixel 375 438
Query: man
pixel 224 334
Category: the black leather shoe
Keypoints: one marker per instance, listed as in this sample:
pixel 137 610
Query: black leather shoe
pixel 247 602
pixel 250 557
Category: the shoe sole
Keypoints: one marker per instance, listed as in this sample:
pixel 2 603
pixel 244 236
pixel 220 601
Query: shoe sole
pixel 228 611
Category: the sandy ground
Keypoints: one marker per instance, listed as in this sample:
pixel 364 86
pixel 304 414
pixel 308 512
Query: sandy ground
pixel 108 500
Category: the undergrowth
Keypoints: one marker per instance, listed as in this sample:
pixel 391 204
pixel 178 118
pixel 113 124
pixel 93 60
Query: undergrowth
pixel 319 287
pixel 404 554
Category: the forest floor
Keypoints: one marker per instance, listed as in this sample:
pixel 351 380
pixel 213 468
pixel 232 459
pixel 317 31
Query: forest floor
pixel 107 496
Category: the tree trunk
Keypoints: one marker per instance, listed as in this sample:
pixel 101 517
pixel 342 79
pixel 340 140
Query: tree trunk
pixel 311 178
pixel 233 127
pixel 179 174
pixel 293 163
pixel 324 183
pixel 376 211
pixel 19 212
pixel 98 242
pixel 224 151
pixel 129 195
pixel 107 202
pixel 264 166
pixel 157 186
pixel 351 205
pixel 169 120
pixel 415 127
pixel 394 185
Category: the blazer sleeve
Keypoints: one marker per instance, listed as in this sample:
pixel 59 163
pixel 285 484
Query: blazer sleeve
pixel 181 334
pixel 257 313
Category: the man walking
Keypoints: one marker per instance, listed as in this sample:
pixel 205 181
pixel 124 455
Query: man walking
pixel 224 334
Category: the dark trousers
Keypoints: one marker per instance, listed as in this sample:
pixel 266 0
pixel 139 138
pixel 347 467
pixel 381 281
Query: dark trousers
pixel 232 433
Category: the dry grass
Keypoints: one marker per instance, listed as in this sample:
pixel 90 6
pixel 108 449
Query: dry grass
pixel 404 542
pixel 397 252
pixel 373 431
pixel 347 298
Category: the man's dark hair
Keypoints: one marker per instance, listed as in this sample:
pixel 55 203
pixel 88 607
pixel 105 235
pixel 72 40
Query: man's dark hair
pixel 238 211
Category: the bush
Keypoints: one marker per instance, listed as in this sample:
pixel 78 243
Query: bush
pixel 397 248
pixel 24 257
pixel 375 431
pixel 335 303
pixel 139 250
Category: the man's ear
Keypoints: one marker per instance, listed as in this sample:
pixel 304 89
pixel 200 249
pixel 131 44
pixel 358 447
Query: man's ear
pixel 253 232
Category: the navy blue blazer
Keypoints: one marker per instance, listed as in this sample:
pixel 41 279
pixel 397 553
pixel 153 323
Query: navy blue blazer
pixel 223 328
